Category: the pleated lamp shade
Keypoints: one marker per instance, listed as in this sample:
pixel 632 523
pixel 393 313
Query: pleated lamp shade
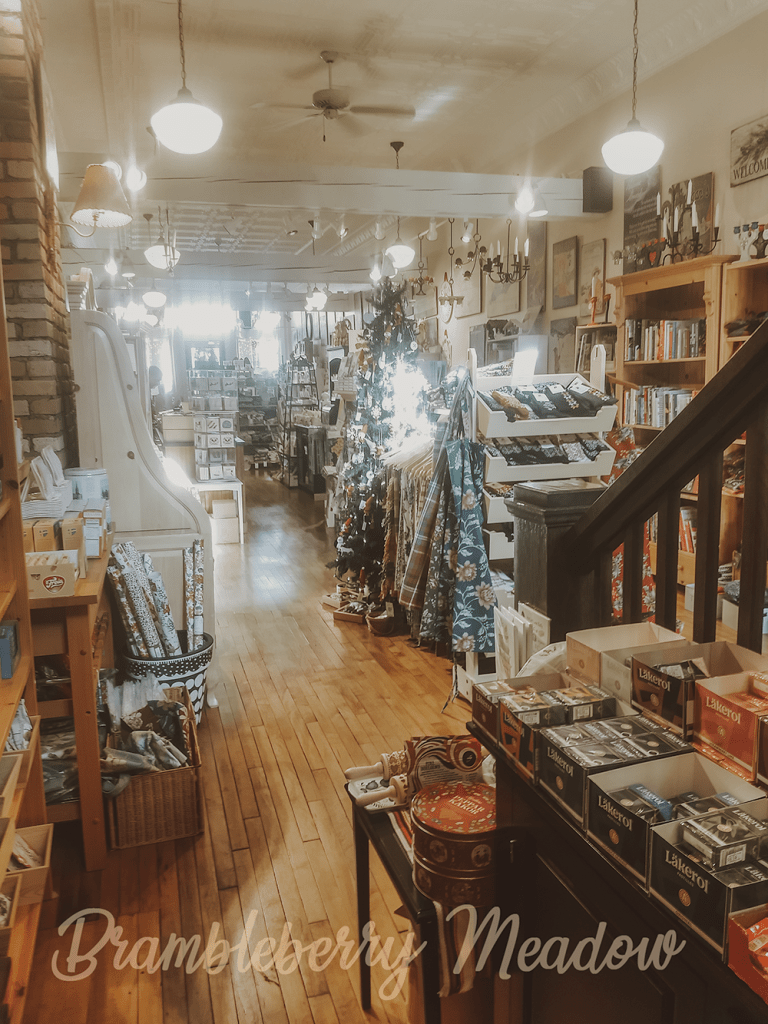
pixel 101 202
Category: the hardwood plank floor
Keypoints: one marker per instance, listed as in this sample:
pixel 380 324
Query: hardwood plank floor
pixel 301 698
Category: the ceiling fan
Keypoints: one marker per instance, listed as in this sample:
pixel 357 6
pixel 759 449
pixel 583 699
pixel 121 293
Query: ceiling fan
pixel 333 104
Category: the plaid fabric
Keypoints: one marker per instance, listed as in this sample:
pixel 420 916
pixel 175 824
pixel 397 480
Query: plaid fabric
pixel 414 584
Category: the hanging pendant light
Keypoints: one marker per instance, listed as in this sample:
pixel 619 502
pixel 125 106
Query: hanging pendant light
pixel 400 253
pixel 634 149
pixel 162 255
pixel 153 298
pixel 185 125
pixel 101 203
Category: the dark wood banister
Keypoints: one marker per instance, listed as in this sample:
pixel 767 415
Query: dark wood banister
pixel 734 400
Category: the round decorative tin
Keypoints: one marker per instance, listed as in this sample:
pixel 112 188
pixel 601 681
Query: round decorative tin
pixel 454 827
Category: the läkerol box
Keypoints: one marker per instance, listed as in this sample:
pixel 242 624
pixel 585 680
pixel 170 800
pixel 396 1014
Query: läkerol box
pixel 602 655
pixel 668 698
pixel 568 756
pixel 620 819
pixel 703 899
pixel 727 714
pixel 485 704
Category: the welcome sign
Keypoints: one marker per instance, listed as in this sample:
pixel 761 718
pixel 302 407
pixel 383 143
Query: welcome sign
pixel 749 151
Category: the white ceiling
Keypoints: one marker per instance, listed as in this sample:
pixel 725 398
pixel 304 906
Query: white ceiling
pixel 487 78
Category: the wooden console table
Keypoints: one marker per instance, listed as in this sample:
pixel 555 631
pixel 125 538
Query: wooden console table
pixel 65 625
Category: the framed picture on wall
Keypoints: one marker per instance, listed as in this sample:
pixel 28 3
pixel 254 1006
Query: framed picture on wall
pixel 536 279
pixel 472 290
pixel 562 345
pixel 501 299
pixel 424 307
pixel 565 262
pixel 592 267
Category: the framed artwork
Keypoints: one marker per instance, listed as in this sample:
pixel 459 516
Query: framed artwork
pixel 424 307
pixel 562 345
pixel 501 299
pixel 472 290
pixel 536 279
pixel 565 262
pixel 749 151
pixel 641 225
pixel 431 339
pixel 592 267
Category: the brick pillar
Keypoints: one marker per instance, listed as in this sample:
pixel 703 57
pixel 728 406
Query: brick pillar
pixel 38 321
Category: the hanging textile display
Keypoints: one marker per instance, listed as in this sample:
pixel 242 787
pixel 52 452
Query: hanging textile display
pixel 473 626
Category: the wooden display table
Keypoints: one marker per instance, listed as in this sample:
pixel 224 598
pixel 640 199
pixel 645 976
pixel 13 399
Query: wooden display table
pixel 65 625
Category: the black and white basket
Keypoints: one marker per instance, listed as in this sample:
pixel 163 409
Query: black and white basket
pixel 178 670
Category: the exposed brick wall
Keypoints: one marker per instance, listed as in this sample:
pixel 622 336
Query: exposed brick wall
pixel 38 321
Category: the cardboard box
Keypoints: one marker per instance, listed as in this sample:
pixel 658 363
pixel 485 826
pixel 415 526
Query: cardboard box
pixel 739 958
pixel 224 509
pixel 565 771
pixel 725 723
pixel 33 880
pixel 485 704
pixel 50 575
pixel 585 648
pixel 27 535
pixel 225 531
pixel 697 896
pixel 10 651
pixel 73 539
pixel 45 535
pixel 669 700
pixel 626 836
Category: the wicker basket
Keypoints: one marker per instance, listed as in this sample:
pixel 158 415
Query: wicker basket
pixel 160 805
pixel 178 670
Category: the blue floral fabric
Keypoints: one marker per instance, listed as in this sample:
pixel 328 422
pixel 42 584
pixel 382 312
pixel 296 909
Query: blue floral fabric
pixel 441 578
pixel 473 600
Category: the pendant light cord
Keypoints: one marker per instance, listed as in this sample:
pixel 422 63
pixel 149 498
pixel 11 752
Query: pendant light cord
pixel 634 62
pixel 181 43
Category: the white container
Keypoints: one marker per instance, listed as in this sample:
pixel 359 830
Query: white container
pixel 495 424
pixel 88 484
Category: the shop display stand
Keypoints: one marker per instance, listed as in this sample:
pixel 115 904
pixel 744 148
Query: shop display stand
pixel 214 428
pixel 495 425
pixel 298 391
pixel 257 404
pixel 678 291
pixel 28 805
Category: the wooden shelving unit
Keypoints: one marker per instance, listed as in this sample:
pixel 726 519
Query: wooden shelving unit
pixel 28 806
pixel 694 289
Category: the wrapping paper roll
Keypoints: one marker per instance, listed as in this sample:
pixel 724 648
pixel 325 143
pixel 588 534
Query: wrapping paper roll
pixel 144 620
pixel 168 633
pixel 197 557
pixel 189 598
pixel 130 562
pixel 133 637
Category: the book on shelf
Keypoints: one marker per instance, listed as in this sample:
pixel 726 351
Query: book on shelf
pixel 659 340
pixel 688 530
pixel 654 407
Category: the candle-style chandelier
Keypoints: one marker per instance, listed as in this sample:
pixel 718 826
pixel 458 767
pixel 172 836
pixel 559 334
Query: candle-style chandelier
pixel 417 283
pixel 506 266
pixel 473 256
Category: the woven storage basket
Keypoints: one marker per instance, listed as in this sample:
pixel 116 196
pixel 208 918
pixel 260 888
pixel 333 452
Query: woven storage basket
pixel 161 805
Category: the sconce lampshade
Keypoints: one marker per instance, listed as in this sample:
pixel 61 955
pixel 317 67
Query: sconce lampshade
pixel 101 202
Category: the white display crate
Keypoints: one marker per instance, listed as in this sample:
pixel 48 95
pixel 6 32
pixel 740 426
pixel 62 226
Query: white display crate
pixel 497 470
pixel 499 545
pixel 495 509
pixel 495 424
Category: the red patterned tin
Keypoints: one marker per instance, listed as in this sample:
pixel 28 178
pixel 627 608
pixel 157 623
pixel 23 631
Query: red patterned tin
pixel 454 835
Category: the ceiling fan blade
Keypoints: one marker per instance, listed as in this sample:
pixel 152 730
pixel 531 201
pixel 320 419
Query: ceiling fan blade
pixel 291 124
pixel 280 106
pixel 353 125
pixel 385 111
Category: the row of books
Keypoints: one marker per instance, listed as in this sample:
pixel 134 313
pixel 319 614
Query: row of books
pixel 654 407
pixel 664 339
pixel 686 530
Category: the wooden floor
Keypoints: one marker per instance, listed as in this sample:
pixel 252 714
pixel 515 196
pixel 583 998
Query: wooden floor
pixel 301 698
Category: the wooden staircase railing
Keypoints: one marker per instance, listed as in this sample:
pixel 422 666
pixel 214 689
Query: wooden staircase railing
pixel 733 401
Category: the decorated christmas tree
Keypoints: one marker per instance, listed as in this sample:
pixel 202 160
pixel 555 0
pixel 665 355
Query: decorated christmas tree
pixel 373 428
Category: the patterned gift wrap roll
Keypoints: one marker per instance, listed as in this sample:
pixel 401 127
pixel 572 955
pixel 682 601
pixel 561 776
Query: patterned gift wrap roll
pixel 189 597
pixel 454 843
pixel 197 565
pixel 133 637
pixel 130 563
pixel 168 633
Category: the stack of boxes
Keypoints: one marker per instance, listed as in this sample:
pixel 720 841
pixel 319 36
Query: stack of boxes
pixel 58 549
pixel 691 829
pixel 225 525
pixel 213 399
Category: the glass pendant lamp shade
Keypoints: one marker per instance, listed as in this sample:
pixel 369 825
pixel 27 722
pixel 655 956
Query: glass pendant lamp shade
pixel 101 202
pixel 162 255
pixel 318 299
pixel 185 125
pixel 154 299
pixel 633 150
pixel 401 255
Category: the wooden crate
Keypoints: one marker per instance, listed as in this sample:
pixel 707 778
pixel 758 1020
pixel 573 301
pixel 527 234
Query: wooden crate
pixel 33 880
pixel 11 887
pixel 160 805
pixel 10 766
pixel 26 757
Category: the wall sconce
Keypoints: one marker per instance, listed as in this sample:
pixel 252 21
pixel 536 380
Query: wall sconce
pixel 101 203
